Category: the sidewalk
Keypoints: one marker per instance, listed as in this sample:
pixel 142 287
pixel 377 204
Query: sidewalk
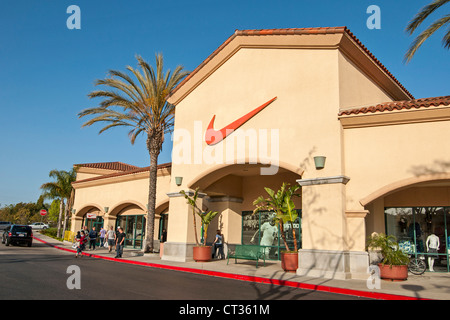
pixel 427 286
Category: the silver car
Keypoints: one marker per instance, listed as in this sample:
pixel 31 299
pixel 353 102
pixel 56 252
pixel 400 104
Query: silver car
pixel 39 226
pixel 4 225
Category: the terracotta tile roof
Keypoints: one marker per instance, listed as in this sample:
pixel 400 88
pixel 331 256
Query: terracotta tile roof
pixel 118 174
pixel 292 31
pixel 117 166
pixel 399 105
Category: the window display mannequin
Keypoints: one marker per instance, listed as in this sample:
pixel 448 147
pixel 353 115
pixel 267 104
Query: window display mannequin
pixel 432 249
pixel 270 231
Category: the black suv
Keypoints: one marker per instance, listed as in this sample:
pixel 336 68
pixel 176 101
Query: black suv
pixel 18 234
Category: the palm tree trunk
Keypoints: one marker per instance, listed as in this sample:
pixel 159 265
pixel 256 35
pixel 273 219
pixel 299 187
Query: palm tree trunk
pixel 61 208
pixel 294 236
pixel 283 236
pixel 154 144
pixel 66 216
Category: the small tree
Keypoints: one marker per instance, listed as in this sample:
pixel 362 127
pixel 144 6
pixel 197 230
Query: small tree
pixel 282 204
pixel 206 218
pixel 389 248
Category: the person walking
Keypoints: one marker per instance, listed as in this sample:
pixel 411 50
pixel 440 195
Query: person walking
pixel 120 241
pixel 93 234
pixel 81 243
pixel 102 237
pixel 111 238
pixel 218 244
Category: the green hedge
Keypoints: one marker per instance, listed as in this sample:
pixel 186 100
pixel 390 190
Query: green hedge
pixel 51 232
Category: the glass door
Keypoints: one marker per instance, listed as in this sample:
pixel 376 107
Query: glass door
pixel 134 228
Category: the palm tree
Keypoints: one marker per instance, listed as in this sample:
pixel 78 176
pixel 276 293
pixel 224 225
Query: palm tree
pixel 418 19
pixel 141 105
pixel 62 189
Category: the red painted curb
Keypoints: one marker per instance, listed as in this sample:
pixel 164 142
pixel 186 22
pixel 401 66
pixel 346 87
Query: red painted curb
pixel 293 284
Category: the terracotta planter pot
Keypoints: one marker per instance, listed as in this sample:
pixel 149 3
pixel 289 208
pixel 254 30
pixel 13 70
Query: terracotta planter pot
pixel 202 254
pixel 394 273
pixel 289 261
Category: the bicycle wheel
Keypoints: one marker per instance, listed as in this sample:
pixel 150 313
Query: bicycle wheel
pixel 417 266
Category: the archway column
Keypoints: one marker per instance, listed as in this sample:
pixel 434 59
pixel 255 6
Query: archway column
pixel 326 231
pixel 229 220
pixel 181 236
pixel 76 223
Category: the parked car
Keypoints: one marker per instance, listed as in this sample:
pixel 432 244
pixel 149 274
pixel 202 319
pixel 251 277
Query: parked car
pixel 18 234
pixel 39 226
pixel 4 225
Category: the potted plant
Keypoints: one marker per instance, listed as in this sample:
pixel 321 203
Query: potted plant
pixel 201 252
pixel 394 264
pixel 281 202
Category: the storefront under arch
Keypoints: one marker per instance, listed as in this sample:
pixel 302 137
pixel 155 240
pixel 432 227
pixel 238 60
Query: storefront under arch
pixel 231 190
pixel 131 217
pixel 418 215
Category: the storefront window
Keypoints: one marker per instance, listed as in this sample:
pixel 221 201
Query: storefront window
pixel 259 229
pixel 422 231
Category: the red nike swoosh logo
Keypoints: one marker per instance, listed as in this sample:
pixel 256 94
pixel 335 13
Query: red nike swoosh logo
pixel 215 136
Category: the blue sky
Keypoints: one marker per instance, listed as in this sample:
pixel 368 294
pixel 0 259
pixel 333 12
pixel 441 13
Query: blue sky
pixel 47 70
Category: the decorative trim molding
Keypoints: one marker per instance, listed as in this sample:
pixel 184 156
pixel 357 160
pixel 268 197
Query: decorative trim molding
pixel 323 180
pixel 356 213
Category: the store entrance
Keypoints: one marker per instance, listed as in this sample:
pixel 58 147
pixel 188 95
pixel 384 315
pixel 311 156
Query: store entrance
pixel 96 222
pixel 134 228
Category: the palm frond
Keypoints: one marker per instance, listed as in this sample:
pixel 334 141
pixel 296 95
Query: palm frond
pixel 420 39
pixel 423 14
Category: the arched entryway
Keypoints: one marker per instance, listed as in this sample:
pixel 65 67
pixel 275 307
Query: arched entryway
pixel 417 212
pixel 131 217
pixel 231 190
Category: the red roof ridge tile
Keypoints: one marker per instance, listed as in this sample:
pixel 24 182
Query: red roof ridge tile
pixel 398 105
pixel 133 171
pixel 115 165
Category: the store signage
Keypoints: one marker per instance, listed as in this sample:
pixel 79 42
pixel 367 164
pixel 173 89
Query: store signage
pixel 215 136
pixel 91 216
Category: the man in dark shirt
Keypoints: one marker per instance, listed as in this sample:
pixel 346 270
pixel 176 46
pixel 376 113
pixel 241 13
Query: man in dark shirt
pixel 120 241
pixel 92 238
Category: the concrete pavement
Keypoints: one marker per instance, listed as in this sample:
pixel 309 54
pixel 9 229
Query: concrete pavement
pixel 427 286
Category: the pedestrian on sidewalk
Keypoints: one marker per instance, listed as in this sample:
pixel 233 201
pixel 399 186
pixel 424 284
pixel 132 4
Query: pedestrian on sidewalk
pixel 120 241
pixel 102 237
pixel 93 234
pixel 81 243
pixel 218 244
pixel 111 238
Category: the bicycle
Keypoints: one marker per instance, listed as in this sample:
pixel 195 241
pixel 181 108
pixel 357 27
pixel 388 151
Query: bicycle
pixel 417 265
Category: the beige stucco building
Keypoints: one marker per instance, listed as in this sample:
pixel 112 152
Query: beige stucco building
pixel 322 93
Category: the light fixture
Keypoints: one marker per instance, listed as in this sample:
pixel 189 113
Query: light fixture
pixel 73 211
pixel 106 209
pixel 319 162
pixel 178 180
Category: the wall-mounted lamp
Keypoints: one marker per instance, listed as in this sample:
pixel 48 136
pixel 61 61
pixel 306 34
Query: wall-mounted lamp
pixel 178 180
pixel 73 211
pixel 319 162
pixel 106 209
